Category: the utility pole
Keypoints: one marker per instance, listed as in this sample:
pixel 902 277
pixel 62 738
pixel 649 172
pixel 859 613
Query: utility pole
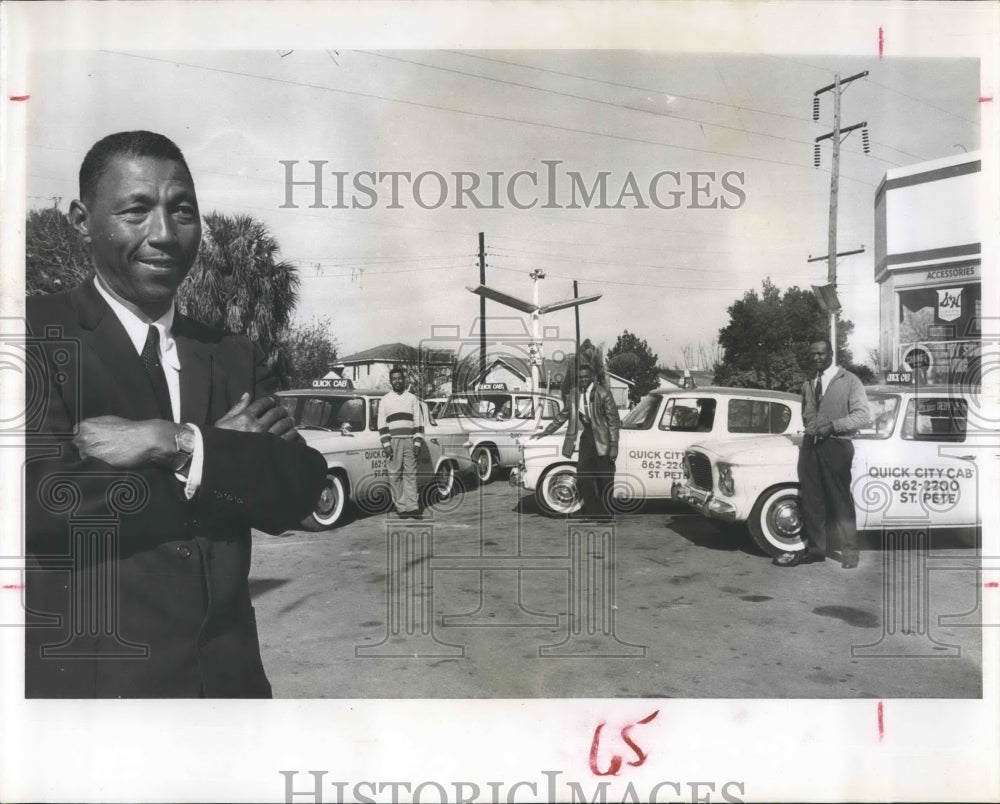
pixel 482 307
pixel 576 356
pixel 836 136
pixel 536 335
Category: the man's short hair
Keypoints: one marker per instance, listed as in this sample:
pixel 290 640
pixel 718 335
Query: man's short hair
pixel 825 341
pixel 397 370
pixel 127 144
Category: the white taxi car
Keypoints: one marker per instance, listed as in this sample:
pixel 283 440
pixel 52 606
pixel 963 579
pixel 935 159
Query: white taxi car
pixel 652 441
pixel 492 417
pixel 915 465
pixel 342 424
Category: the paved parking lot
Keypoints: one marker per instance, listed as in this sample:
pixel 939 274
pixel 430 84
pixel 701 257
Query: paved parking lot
pixel 486 598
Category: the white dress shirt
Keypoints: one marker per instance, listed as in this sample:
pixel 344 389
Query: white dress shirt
pixel 137 329
pixel 827 376
pixel 585 402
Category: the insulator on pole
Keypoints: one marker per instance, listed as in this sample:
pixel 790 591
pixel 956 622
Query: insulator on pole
pixel 816 154
pixel 865 142
pixel 815 108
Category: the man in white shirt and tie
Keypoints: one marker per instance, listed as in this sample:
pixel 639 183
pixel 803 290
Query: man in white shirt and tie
pixel 157 447
pixel 834 407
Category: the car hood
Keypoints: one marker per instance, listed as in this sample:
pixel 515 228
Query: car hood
pixel 329 441
pixel 758 450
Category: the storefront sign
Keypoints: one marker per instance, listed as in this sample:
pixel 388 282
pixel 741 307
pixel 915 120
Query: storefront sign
pixel 949 304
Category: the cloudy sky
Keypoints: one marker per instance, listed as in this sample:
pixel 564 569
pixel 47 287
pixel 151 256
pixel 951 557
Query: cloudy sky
pixel 393 272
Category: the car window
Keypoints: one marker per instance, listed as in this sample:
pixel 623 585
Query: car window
pixel 688 415
pixel 549 409
pixel 935 419
pixel 642 416
pixel 330 413
pixel 373 413
pixel 883 417
pixel 289 403
pixel 352 413
pixel 758 416
pixel 525 407
pixel 315 413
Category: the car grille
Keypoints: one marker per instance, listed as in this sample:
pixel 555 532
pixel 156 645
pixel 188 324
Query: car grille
pixel 701 470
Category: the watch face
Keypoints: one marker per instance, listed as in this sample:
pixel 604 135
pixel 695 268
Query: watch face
pixel 185 440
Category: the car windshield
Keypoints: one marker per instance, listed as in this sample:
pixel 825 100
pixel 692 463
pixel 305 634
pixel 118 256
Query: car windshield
pixel 883 419
pixel 642 416
pixel 477 406
pixel 329 413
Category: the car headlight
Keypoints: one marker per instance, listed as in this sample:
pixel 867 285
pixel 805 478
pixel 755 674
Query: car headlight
pixel 726 485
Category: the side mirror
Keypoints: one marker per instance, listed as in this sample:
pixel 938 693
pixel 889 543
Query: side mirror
pixel 345 429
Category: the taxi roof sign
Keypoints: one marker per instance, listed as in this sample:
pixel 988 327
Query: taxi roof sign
pixel 339 383
pixel 492 386
pixel 899 378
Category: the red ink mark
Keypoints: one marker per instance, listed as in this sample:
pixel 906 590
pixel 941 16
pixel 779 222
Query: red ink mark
pixel 616 761
pixel 19 97
pixel 881 722
pixel 12 586
pixel 991 585
pixel 986 99
pixel 881 41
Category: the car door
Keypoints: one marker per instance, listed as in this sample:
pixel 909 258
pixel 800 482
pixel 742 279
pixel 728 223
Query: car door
pixel 654 456
pixel 920 474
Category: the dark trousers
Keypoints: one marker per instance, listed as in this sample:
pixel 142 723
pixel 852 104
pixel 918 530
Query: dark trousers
pixel 595 475
pixel 825 488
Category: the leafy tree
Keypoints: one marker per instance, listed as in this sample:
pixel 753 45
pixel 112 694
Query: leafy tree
pixel 56 258
pixel 304 352
pixel 632 359
pixel 433 374
pixel 239 284
pixel 766 343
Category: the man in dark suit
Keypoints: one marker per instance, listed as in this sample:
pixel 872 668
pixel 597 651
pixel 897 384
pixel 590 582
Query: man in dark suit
pixel 593 408
pixel 156 450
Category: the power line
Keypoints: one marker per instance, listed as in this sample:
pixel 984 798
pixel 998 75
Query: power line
pixel 324 275
pixel 484 115
pixel 921 100
pixel 741 130
pixel 630 86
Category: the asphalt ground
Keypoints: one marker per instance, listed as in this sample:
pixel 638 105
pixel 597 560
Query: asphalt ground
pixel 485 597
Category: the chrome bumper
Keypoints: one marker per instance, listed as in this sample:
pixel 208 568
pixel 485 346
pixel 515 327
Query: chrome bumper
pixel 704 502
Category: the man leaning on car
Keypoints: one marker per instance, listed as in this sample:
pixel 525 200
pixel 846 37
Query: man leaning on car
pixel 834 407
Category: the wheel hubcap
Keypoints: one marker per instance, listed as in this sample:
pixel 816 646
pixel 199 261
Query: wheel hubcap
pixel 327 501
pixel 564 489
pixel 786 519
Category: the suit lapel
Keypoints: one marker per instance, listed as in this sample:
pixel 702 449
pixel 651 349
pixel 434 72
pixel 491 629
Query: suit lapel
pixel 123 377
pixel 196 373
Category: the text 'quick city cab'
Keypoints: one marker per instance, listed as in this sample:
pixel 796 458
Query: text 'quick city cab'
pixel 915 466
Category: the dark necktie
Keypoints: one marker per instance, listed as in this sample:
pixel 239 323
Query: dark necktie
pixel 151 360
pixel 819 389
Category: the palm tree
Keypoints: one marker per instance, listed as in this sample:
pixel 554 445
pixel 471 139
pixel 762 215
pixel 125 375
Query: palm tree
pixel 238 282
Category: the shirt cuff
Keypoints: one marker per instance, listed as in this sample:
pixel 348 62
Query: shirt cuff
pixel 192 480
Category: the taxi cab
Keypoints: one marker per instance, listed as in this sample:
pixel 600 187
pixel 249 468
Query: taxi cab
pixel 652 441
pixel 492 417
pixel 916 464
pixel 342 424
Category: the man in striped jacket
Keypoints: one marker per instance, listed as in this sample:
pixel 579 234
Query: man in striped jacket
pixel 401 428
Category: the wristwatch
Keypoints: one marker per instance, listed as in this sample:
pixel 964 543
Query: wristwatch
pixel 184 441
